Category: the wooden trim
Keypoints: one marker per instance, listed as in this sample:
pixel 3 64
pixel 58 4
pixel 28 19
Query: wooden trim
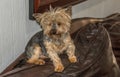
pixel 59 3
pixel 36 5
pixel 31 9
pixel 40 6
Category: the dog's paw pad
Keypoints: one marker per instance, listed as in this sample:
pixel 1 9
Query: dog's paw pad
pixel 40 62
pixel 59 68
pixel 73 59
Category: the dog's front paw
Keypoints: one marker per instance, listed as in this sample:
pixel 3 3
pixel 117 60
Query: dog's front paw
pixel 59 68
pixel 73 59
pixel 40 62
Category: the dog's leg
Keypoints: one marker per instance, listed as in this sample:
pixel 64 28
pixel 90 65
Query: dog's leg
pixel 56 61
pixel 71 53
pixel 35 56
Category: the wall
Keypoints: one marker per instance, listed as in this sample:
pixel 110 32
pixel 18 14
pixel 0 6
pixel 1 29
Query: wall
pixel 31 27
pixel 12 30
pixel 16 28
pixel 96 8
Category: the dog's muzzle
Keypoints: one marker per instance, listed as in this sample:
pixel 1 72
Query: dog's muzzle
pixel 53 31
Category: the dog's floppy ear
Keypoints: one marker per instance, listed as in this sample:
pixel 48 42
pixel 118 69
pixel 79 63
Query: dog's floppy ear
pixel 37 16
pixel 69 10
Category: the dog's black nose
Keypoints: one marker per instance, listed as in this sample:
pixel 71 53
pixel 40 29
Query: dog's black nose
pixel 53 31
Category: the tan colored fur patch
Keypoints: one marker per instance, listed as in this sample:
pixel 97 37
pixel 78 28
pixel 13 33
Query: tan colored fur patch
pixel 35 57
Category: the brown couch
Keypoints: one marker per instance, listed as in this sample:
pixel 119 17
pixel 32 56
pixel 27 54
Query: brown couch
pixel 93 50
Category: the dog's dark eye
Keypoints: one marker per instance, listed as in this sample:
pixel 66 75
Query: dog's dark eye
pixel 59 24
pixel 49 24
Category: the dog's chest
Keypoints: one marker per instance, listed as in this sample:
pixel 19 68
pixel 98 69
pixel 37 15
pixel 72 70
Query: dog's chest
pixel 58 46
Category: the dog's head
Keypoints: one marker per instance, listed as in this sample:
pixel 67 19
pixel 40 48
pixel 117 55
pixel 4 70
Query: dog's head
pixel 55 22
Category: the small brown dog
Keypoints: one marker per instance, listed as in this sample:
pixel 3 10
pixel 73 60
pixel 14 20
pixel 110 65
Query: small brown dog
pixel 56 25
